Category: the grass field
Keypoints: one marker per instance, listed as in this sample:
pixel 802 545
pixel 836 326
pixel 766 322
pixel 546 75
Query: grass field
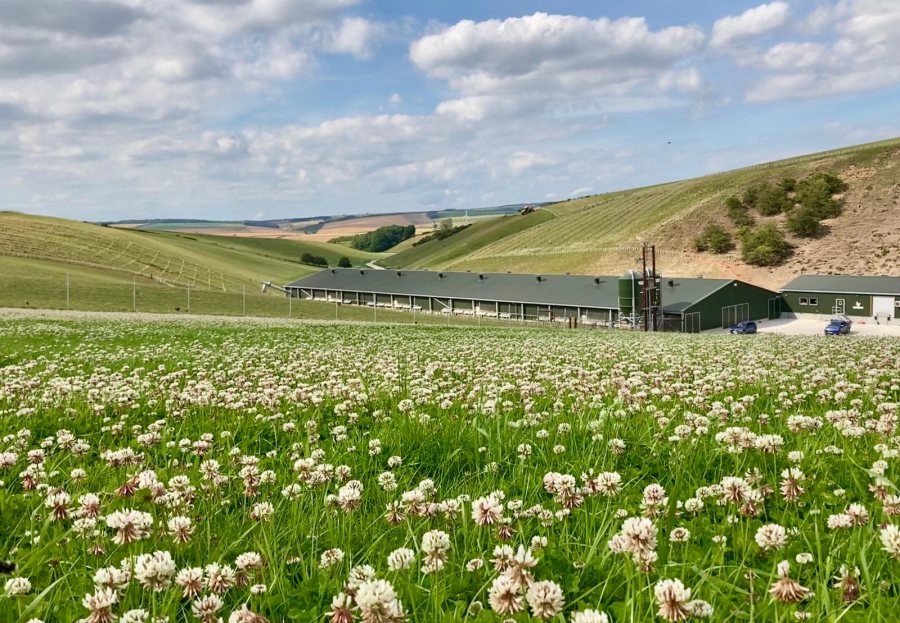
pixel 189 472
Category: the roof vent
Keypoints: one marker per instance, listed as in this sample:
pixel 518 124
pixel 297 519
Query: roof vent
pixel 399 274
pixel 597 280
pixel 539 278
pixel 362 272
pixel 440 275
pixel 481 277
pixel 671 283
pixel 333 271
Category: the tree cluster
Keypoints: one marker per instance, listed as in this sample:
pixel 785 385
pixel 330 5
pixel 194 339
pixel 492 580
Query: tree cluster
pixel 806 202
pixel 382 238
pixel 314 260
pixel 440 234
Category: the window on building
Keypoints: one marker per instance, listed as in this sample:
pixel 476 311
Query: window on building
pixel 813 301
pixel 804 300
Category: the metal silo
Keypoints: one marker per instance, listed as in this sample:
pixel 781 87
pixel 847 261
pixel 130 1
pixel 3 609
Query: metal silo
pixel 630 288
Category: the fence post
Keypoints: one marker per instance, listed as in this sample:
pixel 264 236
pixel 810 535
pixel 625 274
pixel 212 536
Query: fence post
pixel 244 300
pixel 189 297
pixel 134 293
pixel 67 290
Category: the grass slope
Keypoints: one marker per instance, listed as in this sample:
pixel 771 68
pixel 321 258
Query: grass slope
pixel 205 262
pixel 602 232
pixel 445 253
pixel 286 249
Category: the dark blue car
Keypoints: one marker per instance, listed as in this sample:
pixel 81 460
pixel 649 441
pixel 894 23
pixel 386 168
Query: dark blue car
pixel 837 326
pixel 743 328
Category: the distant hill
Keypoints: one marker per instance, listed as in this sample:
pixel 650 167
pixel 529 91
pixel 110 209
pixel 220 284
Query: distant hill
pixel 314 228
pixel 601 234
pixel 205 262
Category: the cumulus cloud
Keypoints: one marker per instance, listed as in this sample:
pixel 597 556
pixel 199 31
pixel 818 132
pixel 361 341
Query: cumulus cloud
pixel 543 52
pixel 860 56
pixel 355 36
pixel 749 24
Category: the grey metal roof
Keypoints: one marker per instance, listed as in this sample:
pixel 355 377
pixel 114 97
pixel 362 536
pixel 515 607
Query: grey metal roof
pixel 557 290
pixel 845 284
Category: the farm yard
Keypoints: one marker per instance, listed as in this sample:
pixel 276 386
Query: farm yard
pixel 163 471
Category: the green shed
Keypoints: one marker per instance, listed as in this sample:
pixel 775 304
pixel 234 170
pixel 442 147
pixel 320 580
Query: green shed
pixel 868 296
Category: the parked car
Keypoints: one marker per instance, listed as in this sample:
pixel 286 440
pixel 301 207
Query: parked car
pixel 837 326
pixel 743 328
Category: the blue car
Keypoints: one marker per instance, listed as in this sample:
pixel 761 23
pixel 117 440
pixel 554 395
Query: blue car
pixel 743 328
pixel 837 326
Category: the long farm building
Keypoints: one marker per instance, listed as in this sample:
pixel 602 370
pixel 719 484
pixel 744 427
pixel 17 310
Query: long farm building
pixel 685 304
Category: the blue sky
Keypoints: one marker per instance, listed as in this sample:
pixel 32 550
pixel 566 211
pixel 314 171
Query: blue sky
pixel 226 109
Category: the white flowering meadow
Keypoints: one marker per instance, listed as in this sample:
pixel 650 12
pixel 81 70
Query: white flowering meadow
pixel 158 473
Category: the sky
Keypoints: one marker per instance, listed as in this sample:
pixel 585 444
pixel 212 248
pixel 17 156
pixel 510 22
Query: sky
pixel 259 109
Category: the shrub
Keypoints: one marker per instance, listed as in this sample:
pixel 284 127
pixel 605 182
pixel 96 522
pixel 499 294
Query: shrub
pixel 749 197
pixel 764 246
pixel 771 200
pixel 804 223
pixel 714 239
pixel 314 260
pixel 816 193
pixel 738 212
pixel 788 184
pixel 344 262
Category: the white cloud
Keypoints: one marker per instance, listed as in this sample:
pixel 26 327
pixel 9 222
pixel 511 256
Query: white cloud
pixel 794 55
pixel 749 24
pixel 355 36
pixel 861 56
pixel 553 55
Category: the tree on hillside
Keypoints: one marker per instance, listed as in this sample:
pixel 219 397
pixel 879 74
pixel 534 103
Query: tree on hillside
pixel 344 262
pixel 714 239
pixel 803 222
pixel 816 193
pixel 445 224
pixel 764 245
pixel 383 238
pixel 314 260
pixel 772 200
pixel 738 212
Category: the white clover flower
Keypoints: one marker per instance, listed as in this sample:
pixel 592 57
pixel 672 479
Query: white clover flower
pixel 16 587
pixel 154 571
pixel 401 558
pixel 545 599
pixel 771 537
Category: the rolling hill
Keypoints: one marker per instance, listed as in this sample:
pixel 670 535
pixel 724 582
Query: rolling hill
pixel 57 263
pixel 601 234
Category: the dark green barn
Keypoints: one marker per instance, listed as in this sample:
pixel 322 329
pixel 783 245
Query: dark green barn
pixel 867 297
pixel 687 304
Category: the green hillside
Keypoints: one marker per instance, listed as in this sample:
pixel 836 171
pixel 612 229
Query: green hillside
pixel 285 249
pixel 602 231
pixel 204 262
pixel 481 234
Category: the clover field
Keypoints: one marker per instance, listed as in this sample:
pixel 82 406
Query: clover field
pixel 162 472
